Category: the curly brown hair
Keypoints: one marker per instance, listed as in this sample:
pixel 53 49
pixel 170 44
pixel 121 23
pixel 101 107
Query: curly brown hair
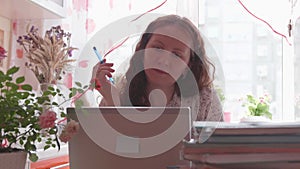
pixel 134 89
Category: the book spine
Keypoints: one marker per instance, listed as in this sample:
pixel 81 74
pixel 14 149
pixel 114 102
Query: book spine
pixel 242 158
pixel 241 148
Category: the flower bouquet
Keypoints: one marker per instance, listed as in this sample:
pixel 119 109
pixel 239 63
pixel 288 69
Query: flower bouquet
pixel 48 56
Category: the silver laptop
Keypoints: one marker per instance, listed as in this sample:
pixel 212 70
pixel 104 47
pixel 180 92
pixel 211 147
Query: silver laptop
pixel 129 137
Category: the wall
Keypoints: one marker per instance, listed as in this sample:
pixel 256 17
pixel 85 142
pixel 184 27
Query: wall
pixel 84 19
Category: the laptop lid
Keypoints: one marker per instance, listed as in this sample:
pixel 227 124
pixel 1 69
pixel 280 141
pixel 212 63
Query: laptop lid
pixel 129 137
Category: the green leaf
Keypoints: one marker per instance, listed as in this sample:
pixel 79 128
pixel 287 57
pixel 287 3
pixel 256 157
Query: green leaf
pixel 22 95
pixel 48 142
pixel 78 84
pixel 39 139
pixel 47 93
pixel 26 87
pixel 72 93
pixel 80 90
pixel 20 80
pixel 51 88
pixel 12 70
pixel 46 147
pixel 12 85
pixel 63 114
pixel 33 157
pixel 52 132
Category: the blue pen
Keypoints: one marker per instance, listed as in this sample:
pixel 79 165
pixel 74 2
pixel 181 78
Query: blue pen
pixel 101 61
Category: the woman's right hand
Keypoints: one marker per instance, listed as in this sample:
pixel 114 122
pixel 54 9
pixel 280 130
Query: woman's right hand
pixel 101 72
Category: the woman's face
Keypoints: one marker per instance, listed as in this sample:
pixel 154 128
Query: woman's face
pixel 167 55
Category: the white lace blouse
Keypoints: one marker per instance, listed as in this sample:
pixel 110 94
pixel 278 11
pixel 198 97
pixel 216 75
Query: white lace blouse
pixel 205 107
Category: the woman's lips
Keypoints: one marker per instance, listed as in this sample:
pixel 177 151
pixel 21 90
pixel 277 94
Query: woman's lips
pixel 160 71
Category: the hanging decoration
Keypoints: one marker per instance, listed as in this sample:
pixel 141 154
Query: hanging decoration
pixel 289 26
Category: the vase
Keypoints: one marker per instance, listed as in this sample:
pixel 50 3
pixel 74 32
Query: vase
pixel 46 107
pixel 255 119
pixel 13 160
pixel 44 87
pixel 227 116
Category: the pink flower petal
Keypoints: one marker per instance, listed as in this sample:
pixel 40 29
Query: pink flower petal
pixel 47 119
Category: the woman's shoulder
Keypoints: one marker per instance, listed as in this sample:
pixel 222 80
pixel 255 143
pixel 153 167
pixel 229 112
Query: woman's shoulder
pixel 207 92
pixel 208 95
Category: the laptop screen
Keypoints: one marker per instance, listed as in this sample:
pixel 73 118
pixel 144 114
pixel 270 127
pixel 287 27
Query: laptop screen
pixel 129 137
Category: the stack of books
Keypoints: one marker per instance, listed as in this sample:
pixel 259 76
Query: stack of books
pixel 245 145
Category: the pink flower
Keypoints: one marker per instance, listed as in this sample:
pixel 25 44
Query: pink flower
pixel 47 119
pixel 65 137
pixel 2 53
pixel 70 129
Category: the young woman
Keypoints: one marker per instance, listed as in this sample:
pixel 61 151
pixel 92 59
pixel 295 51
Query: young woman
pixel 169 68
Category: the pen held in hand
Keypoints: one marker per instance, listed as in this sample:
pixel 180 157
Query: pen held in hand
pixel 101 61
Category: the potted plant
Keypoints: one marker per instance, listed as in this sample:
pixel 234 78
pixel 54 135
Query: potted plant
pixel 258 109
pixel 24 119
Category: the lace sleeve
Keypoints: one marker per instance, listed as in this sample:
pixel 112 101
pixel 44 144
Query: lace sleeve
pixel 210 106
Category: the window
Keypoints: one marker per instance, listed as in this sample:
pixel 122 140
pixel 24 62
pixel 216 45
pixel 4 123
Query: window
pixel 297 68
pixel 250 57
pixel 254 59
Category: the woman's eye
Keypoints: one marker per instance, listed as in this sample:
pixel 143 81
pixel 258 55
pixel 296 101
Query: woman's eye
pixel 158 48
pixel 177 54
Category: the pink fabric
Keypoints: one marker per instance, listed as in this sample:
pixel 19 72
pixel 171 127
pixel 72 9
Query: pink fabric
pixel 83 64
pixel 90 25
pixel 111 4
pixel 79 5
pixel 68 80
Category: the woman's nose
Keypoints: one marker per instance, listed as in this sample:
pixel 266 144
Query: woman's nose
pixel 164 58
